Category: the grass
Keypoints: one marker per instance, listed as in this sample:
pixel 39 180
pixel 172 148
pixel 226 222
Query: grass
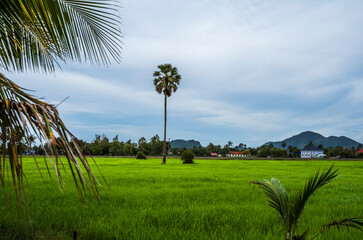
pixel 211 199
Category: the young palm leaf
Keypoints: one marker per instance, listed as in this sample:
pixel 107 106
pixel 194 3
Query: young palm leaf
pixel 277 195
pixel 291 207
pixel 299 199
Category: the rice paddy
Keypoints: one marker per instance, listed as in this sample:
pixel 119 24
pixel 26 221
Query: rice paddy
pixel 211 199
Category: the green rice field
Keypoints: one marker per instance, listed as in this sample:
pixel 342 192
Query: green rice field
pixel 211 199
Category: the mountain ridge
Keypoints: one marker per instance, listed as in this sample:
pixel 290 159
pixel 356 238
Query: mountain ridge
pixel 180 143
pixel 302 139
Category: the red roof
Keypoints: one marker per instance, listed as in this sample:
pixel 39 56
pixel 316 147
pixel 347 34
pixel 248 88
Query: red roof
pixel 359 151
pixel 236 152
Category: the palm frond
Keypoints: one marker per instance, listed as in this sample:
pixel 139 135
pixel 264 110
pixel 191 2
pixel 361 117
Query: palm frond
pixel 167 79
pixel 275 191
pixel 355 222
pixel 38 34
pixel 299 199
pixel 24 114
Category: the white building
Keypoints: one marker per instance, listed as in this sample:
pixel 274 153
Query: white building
pixel 311 152
pixel 239 154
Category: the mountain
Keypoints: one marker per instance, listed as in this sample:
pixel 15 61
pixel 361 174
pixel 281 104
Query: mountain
pixel 179 143
pixel 302 139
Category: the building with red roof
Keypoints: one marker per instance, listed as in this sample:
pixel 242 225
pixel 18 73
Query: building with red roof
pixel 238 154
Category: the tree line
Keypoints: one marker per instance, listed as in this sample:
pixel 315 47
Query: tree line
pixel 103 146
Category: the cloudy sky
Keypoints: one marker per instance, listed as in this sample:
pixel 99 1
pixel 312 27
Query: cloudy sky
pixel 252 71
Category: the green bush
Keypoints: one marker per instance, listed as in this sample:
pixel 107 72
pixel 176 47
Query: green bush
pixel 140 155
pixel 187 156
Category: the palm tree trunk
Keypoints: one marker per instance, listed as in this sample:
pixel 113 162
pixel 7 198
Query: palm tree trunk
pixel 164 155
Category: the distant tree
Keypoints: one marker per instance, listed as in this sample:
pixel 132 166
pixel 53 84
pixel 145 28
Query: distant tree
pixel 116 147
pixel 187 156
pixel 226 149
pixel 359 146
pixel 175 151
pixel 166 81
pixel 83 145
pixel 293 151
pixel 155 138
pixel 140 155
pixel 253 151
pixel 30 140
pixel 346 153
pixel 332 152
pixel 105 146
pixel 241 146
pixel 211 148
pixel 264 151
pixel 246 152
pixel 283 144
pixel 128 150
pixel 143 145
pixel 39 150
pixel 228 146
pixel 156 146
pixel 291 206
pixel 290 148
pixel 141 141
pixel 321 146
pixel 100 145
pixel 310 144
pixel 277 152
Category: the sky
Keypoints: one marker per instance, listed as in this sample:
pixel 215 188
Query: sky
pixel 252 72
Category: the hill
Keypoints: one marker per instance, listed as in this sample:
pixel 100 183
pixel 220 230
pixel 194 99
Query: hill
pixel 302 139
pixel 179 143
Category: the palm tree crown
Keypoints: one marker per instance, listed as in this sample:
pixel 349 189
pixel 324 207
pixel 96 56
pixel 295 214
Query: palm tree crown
pixel 166 80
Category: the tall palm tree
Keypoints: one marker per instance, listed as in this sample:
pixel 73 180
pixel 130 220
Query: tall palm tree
pixel 166 81
pixel 39 35
pixel 290 207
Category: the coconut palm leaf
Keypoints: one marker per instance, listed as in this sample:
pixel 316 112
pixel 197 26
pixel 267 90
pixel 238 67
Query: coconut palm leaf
pixel 37 34
pixel 19 110
pixel 355 222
